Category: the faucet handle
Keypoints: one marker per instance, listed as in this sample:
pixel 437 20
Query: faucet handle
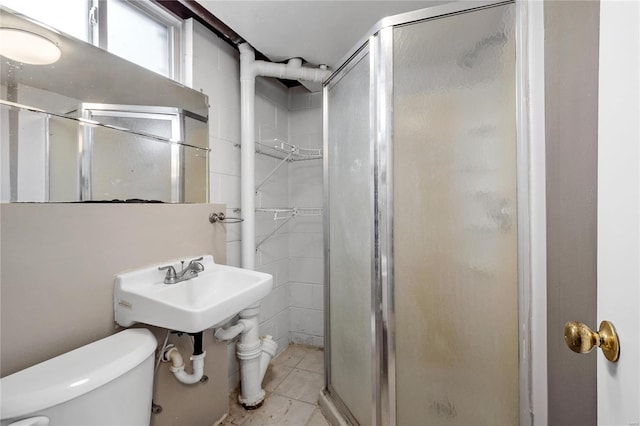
pixel 171 273
pixel 196 263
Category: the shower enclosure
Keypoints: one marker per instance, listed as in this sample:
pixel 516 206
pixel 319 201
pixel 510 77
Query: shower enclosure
pixel 425 201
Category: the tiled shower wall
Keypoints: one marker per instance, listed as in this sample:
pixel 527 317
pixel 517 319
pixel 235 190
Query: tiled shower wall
pixel 293 310
pixel 305 233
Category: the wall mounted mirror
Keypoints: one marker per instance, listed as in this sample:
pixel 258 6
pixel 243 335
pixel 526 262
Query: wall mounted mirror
pixel 91 126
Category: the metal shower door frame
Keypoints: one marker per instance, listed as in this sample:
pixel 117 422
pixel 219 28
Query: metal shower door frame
pixel 379 46
pixel 359 55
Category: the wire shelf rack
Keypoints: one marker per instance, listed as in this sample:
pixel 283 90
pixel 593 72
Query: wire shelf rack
pixel 282 150
pixel 285 215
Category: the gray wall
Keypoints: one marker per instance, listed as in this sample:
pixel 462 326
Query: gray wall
pixel 571 80
pixel 58 265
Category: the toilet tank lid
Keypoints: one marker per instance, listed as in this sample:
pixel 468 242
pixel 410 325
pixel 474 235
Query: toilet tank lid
pixel 74 373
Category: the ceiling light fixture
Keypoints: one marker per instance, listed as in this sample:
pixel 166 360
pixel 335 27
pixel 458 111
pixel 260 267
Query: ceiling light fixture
pixel 27 47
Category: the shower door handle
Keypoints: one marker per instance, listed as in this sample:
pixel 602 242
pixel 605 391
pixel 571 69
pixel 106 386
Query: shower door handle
pixel 581 339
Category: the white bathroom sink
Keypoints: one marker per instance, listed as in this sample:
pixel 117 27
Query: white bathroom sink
pixel 214 296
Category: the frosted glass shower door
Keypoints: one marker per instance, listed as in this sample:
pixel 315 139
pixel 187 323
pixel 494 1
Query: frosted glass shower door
pixel 455 229
pixel 349 175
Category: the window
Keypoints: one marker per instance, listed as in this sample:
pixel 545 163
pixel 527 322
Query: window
pixel 139 31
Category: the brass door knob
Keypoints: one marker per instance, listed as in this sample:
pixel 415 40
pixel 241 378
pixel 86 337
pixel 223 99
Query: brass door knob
pixel 582 339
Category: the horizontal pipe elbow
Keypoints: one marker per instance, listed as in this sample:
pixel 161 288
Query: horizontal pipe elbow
pixel 245 48
pixel 248 69
pixel 242 326
pixel 290 71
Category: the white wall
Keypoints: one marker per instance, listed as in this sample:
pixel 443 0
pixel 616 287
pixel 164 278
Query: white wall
pixel 292 312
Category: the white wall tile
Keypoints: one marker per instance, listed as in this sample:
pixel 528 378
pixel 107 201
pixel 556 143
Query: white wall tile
pixel 306 194
pixel 282 271
pixel 274 193
pixel 230 190
pixel 315 141
pixel 305 121
pixel 234 230
pixel 301 338
pixel 279 270
pixel 318 341
pixel 263 166
pixel 229 123
pixel 301 141
pixel 308 321
pixel 214 123
pixel 202 81
pixel 306 224
pixel 316 100
pixel 265 114
pixel 306 270
pixel 267 327
pixel 282 177
pixel 273 90
pixel 307 140
pixel 306 184
pixel 300 295
pixel 300 102
pixel 229 62
pixel 215 191
pixel 204 43
pixel 265 223
pixel 274 249
pixel 273 303
pixel 234 254
pixel 225 157
pixel 282 325
pixel 282 123
pixel 204 64
pixel 282 344
pixel 299 98
pixel 317 297
pixel 308 296
pixel 306 172
pixel 306 245
pixel 269 268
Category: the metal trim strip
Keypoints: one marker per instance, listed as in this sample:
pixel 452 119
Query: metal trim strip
pixel 435 12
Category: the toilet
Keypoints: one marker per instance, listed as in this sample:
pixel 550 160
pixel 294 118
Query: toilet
pixel 108 382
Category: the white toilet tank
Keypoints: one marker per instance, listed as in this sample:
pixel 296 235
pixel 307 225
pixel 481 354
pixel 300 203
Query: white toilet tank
pixel 108 382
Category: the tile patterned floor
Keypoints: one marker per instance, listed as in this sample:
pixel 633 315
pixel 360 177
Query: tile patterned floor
pixel 293 383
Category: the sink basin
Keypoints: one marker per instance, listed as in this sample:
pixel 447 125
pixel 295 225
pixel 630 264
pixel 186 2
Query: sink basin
pixel 214 296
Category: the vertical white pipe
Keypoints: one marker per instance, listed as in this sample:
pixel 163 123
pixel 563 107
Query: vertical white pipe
pixel 269 349
pixel 247 155
pixel 254 356
pixel 249 70
pixel 249 353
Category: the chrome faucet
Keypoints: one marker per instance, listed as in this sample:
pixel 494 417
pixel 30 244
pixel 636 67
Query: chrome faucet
pixel 191 271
